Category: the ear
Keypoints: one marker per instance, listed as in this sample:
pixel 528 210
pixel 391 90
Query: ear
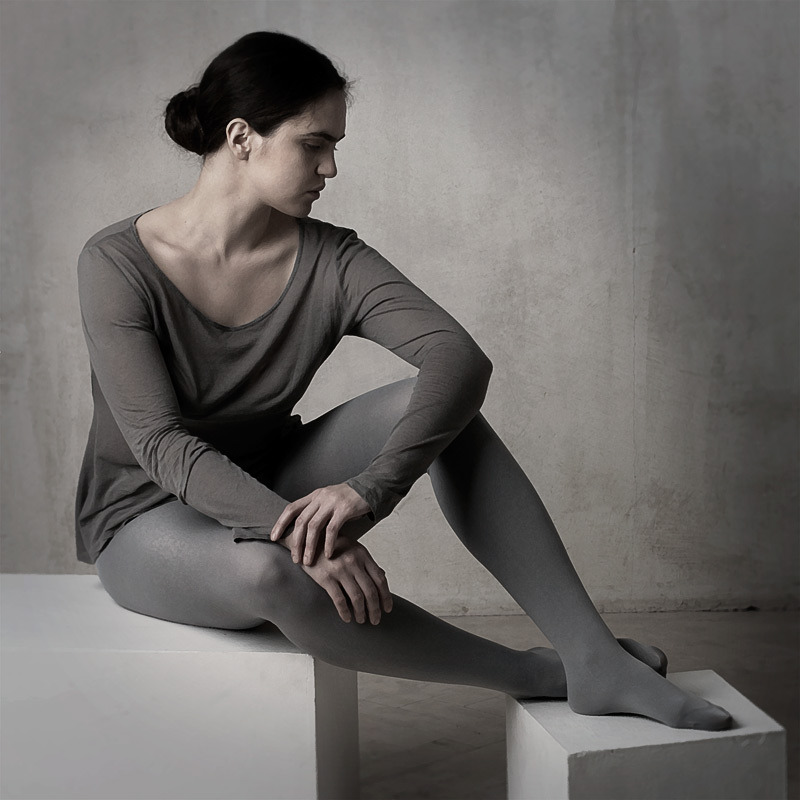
pixel 240 137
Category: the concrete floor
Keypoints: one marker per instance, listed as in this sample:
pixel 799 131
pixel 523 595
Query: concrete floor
pixel 430 740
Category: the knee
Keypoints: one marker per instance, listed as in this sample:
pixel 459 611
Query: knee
pixel 281 587
pixel 271 577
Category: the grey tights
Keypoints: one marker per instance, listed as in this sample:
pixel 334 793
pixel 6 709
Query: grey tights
pixel 175 563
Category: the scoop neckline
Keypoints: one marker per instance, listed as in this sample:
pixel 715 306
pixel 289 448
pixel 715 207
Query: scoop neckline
pixel 191 306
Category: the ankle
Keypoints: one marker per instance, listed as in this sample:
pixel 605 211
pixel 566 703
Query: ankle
pixel 600 658
pixel 543 674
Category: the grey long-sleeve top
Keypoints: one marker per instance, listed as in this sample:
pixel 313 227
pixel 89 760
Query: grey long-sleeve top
pixel 184 406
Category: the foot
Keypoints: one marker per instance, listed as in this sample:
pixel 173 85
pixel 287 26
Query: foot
pixel 621 684
pixel 552 679
pixel 648 654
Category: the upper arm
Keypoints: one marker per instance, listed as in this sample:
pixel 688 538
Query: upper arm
pixel 383 305
pixel 126 358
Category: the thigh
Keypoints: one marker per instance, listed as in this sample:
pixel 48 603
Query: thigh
pixel 176 563
pixel 340 443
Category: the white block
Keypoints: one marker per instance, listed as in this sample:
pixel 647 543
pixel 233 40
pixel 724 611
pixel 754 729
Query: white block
pixel 101 702
pixel 555 754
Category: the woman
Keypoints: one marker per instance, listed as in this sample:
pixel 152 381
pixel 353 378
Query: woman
pixel 203 500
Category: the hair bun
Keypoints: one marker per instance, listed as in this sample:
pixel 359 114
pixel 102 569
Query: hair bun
pixel 182 122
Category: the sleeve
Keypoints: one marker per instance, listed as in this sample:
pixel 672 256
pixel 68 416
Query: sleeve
pixel 379 303
pixel 127 361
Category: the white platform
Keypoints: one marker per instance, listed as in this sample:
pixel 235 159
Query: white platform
pixel 555 754
pixel 101 702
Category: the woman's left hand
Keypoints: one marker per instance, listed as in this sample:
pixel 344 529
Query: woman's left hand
pixel 325 510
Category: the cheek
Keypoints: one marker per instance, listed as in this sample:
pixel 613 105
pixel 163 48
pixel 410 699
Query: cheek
pixel 297 168
pixel 282 179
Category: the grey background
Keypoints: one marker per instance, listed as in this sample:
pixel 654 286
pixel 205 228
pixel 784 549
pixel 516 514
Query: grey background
pixel 604 193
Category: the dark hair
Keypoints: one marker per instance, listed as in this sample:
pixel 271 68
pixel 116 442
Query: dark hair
pixel 264 77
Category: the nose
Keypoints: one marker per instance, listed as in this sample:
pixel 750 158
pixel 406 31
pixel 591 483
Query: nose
pixel 327 167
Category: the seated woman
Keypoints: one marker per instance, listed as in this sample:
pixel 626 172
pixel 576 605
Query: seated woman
pixel 203 500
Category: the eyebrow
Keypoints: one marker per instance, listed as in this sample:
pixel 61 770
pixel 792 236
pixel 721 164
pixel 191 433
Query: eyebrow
pixel 324 135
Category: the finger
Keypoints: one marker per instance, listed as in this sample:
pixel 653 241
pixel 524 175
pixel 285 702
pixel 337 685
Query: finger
pixel 371 596
pixel 378 575
pixel 339 600
pixel 331 532
pixel 301 527
pixel 315 527
pixel 284 521
pixel 299 540
pixel 356 597
pixel 287 515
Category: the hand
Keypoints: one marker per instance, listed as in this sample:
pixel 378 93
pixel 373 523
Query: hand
pixel 353 570
pixel 325 509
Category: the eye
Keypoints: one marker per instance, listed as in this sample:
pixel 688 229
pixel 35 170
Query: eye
pixel 310 146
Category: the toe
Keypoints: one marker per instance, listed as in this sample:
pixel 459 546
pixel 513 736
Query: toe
pixel 707 718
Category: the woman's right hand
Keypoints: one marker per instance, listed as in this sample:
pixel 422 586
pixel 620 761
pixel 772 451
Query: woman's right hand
pixel 352 573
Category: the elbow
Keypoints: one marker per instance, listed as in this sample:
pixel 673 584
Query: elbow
pixel 483 369
pixel 477 369
pixel 166 454
pixel 152 450
pixel 464 365
pixel 485 366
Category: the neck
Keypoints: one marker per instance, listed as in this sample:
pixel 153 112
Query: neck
pixel 219 219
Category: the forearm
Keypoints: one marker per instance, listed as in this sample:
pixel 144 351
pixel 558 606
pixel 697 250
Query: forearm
pixel 449 391
pixel 221 489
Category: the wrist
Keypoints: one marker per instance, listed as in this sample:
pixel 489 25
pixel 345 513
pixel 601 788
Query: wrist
pixel 366 493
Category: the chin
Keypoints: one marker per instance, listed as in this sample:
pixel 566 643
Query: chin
pixel 296 213
pixel 305 209
pixel 298 208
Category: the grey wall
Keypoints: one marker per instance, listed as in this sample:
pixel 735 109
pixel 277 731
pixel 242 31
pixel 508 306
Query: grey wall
pixel 605 194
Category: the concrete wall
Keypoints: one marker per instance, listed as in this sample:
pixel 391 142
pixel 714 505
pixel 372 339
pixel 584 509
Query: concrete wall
pixel 605 194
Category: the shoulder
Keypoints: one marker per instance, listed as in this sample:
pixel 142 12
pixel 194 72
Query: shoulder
pixel 112 257
pixel 341 247
pixel 111 234
pixel 326 235
pixel 116 245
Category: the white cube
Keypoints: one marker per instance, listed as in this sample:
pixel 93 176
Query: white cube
pixel 101 702
pixel 554 753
